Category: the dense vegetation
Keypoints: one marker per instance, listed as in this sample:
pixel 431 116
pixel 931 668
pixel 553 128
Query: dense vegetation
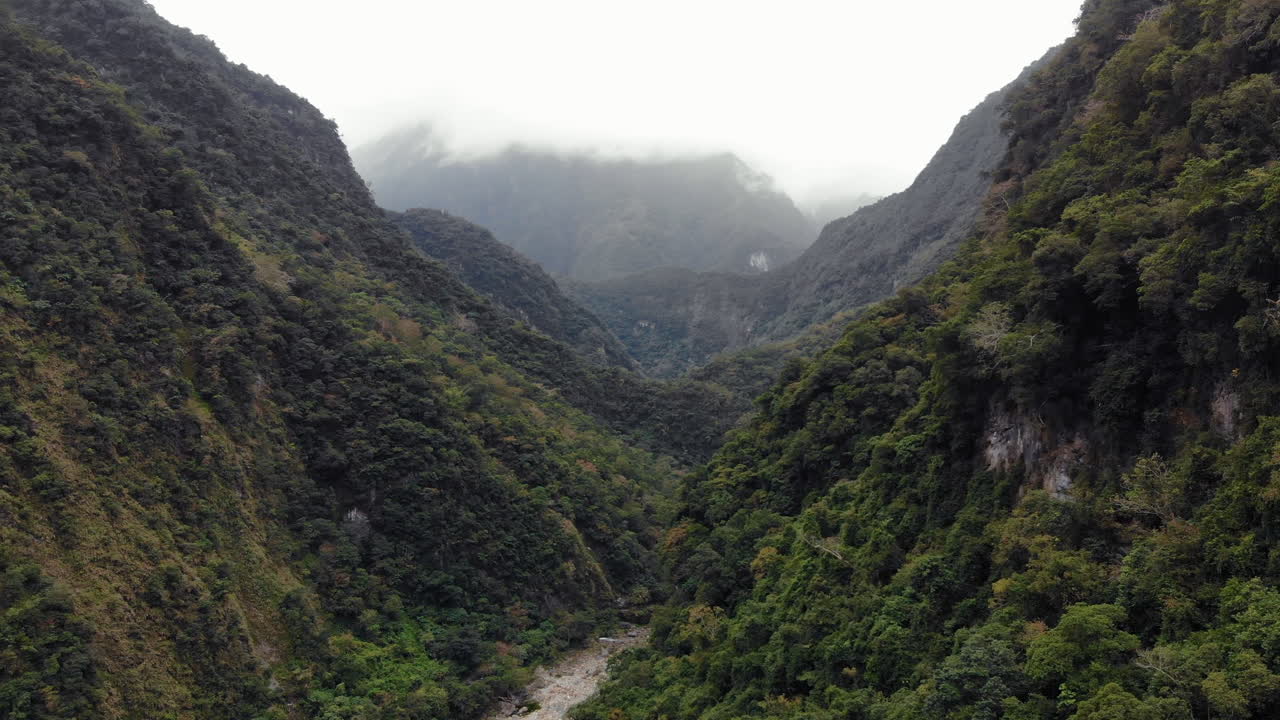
pixel 512 281
pixel 1043 484
pixel 592 218
pixel 673 320
pixel 258 456
pixel 748 374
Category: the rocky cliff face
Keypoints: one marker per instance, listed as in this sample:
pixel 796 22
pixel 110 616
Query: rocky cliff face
pixel 896 241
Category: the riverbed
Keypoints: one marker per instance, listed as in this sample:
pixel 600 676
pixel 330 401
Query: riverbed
pixel 576 677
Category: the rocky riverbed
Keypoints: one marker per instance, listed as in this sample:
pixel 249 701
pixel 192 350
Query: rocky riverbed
pixel 559 687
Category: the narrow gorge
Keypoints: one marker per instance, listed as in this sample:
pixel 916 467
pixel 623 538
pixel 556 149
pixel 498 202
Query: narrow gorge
pixel 610 439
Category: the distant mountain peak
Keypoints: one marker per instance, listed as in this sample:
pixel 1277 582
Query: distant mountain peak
pixel 590 216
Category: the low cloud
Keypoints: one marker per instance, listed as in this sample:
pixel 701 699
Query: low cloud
pixel 829 98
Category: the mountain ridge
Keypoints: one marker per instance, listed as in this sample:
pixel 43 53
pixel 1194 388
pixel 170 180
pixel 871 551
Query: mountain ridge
pixel 512 281
pixel 864 257
pixel 584 216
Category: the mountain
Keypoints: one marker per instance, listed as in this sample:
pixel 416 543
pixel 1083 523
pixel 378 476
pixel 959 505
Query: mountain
pixel 672 311
pixel 592 218
pixel 1042 483
pixel 672 321
pixel 259 456
pixel 512 281
pixel 896 241
pixel 749 373
pixel 836 206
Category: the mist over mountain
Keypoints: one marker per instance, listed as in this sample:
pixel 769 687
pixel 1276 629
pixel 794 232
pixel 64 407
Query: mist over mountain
pixel 269 451
pixel 899 239
pixel 673 322
pixel 589 217
pixel 835 206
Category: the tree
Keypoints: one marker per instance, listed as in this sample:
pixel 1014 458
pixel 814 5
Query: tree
pixel 991 326
pixel 1081 649
pixel 1152 489
pixel 1113 702
pixel 1247 684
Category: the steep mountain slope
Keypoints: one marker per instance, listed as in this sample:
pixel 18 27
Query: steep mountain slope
pixel 1044 483
pixel 512 281
pixel 278 159
pixel 258 456
pixel 672 322
pixel 839 206
pixel 590 218
pixel 900 239
pixel 748 373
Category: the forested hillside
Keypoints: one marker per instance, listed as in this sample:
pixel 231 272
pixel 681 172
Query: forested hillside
pixel 672 320
pixel 1043 484
pixel 511 281
pixel 593 218
pixel 260 458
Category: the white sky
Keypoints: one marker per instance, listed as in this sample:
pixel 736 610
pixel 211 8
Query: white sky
pixel 829 97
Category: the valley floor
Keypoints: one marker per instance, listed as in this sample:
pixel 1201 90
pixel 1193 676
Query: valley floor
pixel 569 682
